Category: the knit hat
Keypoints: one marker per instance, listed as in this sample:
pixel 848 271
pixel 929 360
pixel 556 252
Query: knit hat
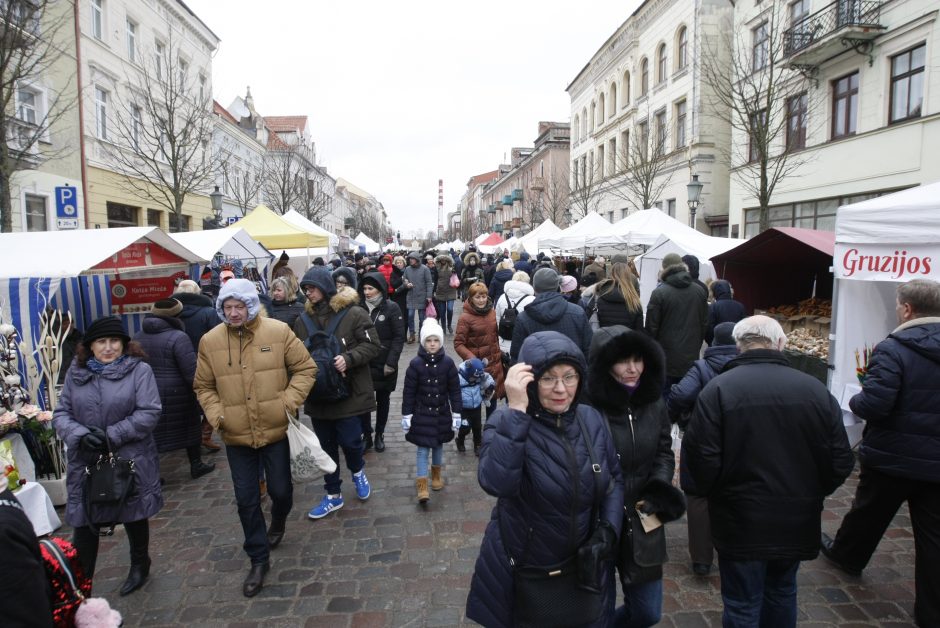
pixel 568 283
pixel 105 327
pixel 723 334
pixel 472 369
pixel 546 280
pixel 430 328
pixel 244 291
pixel 320 277
pixel 671 259
pixel 167 307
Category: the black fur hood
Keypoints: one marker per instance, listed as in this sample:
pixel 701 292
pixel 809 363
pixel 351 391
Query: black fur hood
pixel 611 344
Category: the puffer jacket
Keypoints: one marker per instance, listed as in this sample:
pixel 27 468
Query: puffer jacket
pixel 361 345
pixel 472 271
pixel 198 315
pixel 390 327
pixel 538 466
pixel 392 279
pixel 477 337
pixel 498 283
pixel 675 317
pixel 431 395
pixel 723 310
pixel 766 445
pixel 612 310
pixel 551 311
pixel 518 294
pixel 249 377
pixel 124 402
pixel 641 432
pixel 442 289
pixel 286 312
pixel 901 403
pixel 471 393
pixel 681 397
pixel 170 354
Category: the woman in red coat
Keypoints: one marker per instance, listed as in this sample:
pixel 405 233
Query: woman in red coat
pixel 477 337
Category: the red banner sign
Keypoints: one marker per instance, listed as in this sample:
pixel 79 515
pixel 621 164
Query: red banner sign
pixel 139 255
pixel 129 296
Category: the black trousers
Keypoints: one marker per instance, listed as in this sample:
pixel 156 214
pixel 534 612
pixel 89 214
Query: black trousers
pixel 86 544
pixel 877 499
pixel 474 417
pixel 383 402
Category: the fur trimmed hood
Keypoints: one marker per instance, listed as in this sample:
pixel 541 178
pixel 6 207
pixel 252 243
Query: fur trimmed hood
pixel 444 262
pixel 471 256
pixel 611 344
pixel 677 275
pixel 344 297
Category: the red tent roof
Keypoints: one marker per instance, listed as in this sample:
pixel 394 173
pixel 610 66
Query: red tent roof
pixel 493 240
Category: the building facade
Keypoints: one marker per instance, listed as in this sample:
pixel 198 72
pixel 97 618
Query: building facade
pixel 473 219
pixel 865 117
pixel 642 97
pixel 241 154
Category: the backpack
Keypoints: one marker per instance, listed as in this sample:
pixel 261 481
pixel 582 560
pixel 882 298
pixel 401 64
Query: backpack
pixel 323 346
pixel 508 321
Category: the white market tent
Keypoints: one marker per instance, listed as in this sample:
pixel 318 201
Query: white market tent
pixel 227 243
pixel 509 243
pixel 530 241
pixel 879 243
pixel 371 246
pixel 457 245
pixel 577 235
pixel 641 228
pixel 296 218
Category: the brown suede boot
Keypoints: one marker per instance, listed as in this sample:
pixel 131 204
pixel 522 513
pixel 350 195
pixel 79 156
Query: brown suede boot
pixel 421 484
pixel 411 338
pixel 210 446
pixel 437 480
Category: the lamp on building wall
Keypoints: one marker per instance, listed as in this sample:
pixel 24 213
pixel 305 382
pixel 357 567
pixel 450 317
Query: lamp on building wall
pixel 215 198
pixel 694 189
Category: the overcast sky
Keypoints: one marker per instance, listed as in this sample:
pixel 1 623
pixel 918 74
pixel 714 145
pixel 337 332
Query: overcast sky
pixel 400 95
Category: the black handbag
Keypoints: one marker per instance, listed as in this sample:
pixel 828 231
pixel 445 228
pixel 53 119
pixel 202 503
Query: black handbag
pixel 109 481
pixel 554 596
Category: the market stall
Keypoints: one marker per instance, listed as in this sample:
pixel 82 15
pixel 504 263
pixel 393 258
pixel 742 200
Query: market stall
pixel 296 218
pixel 529 242
pixel 575 238
pixel 490 244
pixel 367 243
pixel 639 229
pixel 274 232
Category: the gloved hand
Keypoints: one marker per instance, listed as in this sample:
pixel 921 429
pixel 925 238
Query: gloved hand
pixel 388 370
pixel 456 419
pixel 406 422
pixel 591 556
pixel 94 441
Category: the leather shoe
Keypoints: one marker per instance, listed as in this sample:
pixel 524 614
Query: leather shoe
pixel 136 578
pixel 210 446
pixel 199 469
pixel 701 569
pixel 255 579
pixel 379 442
pixel 825 546
pixel 275 533
pixel 366 442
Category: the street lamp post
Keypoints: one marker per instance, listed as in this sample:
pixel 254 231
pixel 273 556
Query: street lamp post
pixel 215 198
pixel 694 189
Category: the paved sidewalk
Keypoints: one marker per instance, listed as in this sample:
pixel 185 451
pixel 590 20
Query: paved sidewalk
pixel 390 562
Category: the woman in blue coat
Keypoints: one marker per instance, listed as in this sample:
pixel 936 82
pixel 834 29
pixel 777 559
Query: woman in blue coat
pixel 110 397
pixel 535 459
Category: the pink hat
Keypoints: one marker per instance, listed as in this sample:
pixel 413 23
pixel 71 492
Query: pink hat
pixel 568 283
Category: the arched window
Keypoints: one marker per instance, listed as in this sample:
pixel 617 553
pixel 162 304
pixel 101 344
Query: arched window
pixel 661 63
pixel 583 122
pixel 682 48
pixel 601 109
pixel 593 115
pixel 626 88
pixel 576 127
pixel 613 99
pixel 644 76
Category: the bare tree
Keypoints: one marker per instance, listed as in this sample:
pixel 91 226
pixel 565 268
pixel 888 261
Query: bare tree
pixel 315 201
pixel 367 220
pixel 760 96
pixel 242 185
pixel 482 223
pixel 163 131
pixel 551 200
pixel 642 164
pixel 29 34
pixel 286 173
pixel 586 190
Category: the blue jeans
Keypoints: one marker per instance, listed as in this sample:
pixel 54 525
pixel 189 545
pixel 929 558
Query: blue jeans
pixel 345 433
pixel 245 464
pixel 642 605
pixel 411 318
pixel 445 312
pixel 437 459
pixel 758 593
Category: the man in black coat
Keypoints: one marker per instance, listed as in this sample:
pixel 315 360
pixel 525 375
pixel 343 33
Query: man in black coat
pixel 765 446
pixel 550 311
pixel 723 310
pixel 900 451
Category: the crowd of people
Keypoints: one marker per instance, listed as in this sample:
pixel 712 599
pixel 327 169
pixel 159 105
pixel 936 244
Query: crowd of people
pixel 581 394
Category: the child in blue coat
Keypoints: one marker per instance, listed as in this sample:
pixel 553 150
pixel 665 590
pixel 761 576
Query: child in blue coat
pixel 476 388
pixel 430 406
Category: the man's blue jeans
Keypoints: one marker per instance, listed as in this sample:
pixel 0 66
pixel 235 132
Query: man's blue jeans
pixel 642 605
pixel 345 433
pixel 437 459
pixel 411 318
pixel 245 464
pixel 758 593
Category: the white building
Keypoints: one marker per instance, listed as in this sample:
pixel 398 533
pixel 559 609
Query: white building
pixel 644 88
pixel 867 121
pixel 241 163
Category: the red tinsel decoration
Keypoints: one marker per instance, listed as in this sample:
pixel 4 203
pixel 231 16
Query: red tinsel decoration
pixel 65 598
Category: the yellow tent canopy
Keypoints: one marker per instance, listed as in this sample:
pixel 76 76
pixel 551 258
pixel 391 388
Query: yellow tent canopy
pixel 274 232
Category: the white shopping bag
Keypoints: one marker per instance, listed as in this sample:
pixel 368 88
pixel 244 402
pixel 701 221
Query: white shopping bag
pixel 308 461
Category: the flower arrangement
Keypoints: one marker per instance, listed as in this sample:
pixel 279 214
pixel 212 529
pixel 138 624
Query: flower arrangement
pixel 862 359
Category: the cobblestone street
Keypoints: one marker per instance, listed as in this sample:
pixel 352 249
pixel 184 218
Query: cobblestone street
pixel 390 562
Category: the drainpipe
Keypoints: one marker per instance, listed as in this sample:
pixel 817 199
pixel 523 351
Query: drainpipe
pixel 81 109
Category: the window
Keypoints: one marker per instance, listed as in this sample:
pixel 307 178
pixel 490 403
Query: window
pixel 584 121
pixel 798 12
pixel 760 48
pixel 593 116
pixel 202 88
pixel 758 135
pixel 626 89
pixel 101 113
pixel 613 100
pixel 131 41
pixel 682 48
pixel 624 150
pixel 97 18
pixel 159 50
pixel 644 139
pixel 801 30
pixel 601 110
pixel 183 67
pixel 576 127
pixel 137 125
pixel 907 83
pixel 671 207
pixel 36 219
pixel 661 132
pixel 121 215
pixel 178 225
pixel 600 162
pixel 26 105
pixel 661 63
pixel 680 123
pixel 796 122
pixel 845 105
pixel 154 218
pixel 819 214
pixel 610 216
pixel 612 155
pixel 644 76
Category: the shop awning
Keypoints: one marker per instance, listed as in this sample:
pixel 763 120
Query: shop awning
pixel 274 232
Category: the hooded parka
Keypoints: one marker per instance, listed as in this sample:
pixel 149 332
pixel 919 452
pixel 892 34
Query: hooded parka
pixel 675 317
pixel 472 271
pixel 422 283
pixel 551 311
pixel 445 268
pixel 538 466
pixel 477 336
pixel 723 310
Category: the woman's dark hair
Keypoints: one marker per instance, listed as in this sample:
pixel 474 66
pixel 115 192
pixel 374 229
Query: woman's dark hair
pixel 131 348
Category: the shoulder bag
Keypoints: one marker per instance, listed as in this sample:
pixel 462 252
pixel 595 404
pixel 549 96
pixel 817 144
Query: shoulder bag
pixel 109 481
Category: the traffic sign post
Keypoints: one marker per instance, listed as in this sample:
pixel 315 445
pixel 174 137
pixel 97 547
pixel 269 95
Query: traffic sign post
pixel 66 207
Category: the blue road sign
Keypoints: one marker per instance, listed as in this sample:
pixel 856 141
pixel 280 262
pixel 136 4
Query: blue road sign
pixel 66 207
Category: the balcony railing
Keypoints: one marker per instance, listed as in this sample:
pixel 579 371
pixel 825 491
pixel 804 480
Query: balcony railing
pixel 834 17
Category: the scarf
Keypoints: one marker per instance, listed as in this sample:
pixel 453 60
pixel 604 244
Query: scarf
pixel 97 367
pixel 374 302
pixel 482 311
